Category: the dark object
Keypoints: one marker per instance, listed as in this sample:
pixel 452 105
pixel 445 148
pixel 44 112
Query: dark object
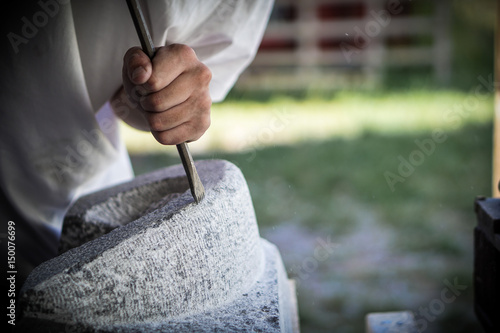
pixel 487 263
pixel 197 189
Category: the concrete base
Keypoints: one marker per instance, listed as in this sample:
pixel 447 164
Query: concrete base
pixel 143 257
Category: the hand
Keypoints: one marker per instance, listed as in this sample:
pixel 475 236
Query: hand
pixel 171 91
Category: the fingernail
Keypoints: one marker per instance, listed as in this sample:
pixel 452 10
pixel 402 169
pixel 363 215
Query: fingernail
pixel 137 72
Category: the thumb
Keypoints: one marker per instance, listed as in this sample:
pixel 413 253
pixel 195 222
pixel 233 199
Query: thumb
pixel 137 65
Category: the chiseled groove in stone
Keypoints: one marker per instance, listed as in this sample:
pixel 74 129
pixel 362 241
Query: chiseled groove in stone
pixel 178 260
pixel 124 207
pixel 117 210
pixel 78 209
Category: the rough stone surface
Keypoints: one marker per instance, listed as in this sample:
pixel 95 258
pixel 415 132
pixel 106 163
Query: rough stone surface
pixel 99 213
pixel 142 257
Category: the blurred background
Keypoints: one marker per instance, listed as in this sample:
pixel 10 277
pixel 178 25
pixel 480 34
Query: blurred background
pixel 364 130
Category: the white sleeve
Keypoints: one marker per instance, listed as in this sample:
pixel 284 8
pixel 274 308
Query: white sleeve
pixel 225 34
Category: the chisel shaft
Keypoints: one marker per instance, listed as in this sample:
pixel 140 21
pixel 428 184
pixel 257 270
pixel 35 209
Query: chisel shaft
pixel 197 189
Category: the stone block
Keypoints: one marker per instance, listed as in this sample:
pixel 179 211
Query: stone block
pixel 143 257
pixel 391 322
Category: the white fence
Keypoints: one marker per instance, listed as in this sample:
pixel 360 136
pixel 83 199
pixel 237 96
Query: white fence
pixel 320 44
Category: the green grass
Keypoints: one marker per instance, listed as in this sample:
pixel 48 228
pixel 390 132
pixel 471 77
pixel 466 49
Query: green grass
pixel 249 125
pixel 322 175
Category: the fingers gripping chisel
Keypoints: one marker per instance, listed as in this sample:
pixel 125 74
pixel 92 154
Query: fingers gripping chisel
pixel 197 189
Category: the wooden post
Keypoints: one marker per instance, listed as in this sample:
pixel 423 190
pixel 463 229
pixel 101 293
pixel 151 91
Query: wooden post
pixel 375 53
pixel 496 135
pixel 307 34
pixel 442 43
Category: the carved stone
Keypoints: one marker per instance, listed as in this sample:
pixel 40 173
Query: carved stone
pixel 143 257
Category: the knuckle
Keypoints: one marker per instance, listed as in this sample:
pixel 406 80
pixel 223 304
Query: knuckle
pixel 129 53
pixel 200 126
pixel 195 138
pixel 160 137
pixel 134 58
pixel 154 82
pixel 182 54
pixel 205 103
pixel 204 73
pixel 196 133
pixel 205 123
pixel 168 138
pixel 135 61
pixel 184 51
pixel 155 122
pixel 152 102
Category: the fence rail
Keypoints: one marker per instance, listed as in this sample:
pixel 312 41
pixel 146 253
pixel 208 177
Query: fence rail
pixel 310 41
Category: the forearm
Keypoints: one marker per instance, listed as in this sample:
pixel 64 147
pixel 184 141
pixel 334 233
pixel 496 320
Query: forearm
pixel 128 110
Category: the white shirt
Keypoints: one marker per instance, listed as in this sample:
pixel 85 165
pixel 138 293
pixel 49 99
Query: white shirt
pixel 61 63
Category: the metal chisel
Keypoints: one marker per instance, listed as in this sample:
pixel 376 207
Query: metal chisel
pixel 197 189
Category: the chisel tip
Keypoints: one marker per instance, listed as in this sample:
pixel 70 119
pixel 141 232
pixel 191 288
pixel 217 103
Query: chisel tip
pixel 198 192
